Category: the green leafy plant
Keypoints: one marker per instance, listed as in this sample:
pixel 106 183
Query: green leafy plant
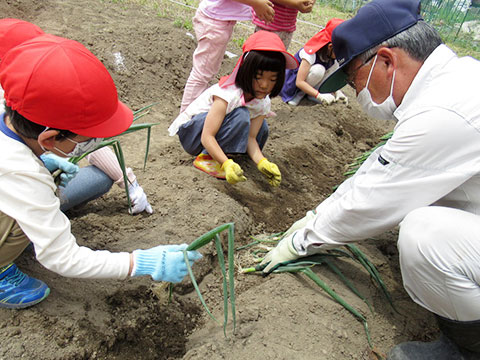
pixel 228 285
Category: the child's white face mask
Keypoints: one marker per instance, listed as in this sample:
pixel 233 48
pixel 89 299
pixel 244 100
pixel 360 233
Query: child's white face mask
pixel 80 147
pixel 383 111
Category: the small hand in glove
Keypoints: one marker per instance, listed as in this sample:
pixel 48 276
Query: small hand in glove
pixel 53 162
pixel 270 170
pixel 340 96
pixel 163 263
pixel 233 172
pixel 283 252
pixel 138 199
pixel 325 98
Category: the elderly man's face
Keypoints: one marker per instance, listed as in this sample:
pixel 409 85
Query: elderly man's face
pixel 356 73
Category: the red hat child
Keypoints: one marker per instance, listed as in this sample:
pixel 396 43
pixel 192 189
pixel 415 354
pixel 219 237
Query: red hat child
pixel 323 37
pixel 264 41
pixel 13 32
pixel 59 83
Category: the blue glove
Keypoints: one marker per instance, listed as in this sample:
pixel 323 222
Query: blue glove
pixel 53 162
pixel 163 263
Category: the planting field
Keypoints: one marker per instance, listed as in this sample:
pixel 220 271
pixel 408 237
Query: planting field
pixel 283 316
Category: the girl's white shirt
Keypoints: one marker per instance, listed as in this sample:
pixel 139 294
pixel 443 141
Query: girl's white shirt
pixel 233 95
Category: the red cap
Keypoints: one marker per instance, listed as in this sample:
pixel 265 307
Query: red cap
pixel 13 32
pixel 264 41
pixel 323 37
pixel 58 83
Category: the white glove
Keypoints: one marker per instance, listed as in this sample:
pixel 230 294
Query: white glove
pixel 325 98
pixel 299 224
pixel 283 252
pixel 340 96
pixel 138 199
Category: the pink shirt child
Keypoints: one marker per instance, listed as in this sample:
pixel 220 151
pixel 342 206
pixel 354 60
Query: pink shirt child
pixel 213 24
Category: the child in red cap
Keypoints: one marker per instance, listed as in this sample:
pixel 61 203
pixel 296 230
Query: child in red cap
pixel 315 58
pixel 59 98
pixel 77 186
pixel 229 117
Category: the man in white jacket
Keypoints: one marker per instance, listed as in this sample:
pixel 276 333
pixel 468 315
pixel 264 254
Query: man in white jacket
pixel 59 98
pixel 425 178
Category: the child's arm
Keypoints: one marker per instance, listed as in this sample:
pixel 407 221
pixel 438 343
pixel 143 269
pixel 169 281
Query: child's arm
pixel 304 6
pixel 263 9
pixel 212 124
pixel 269 169
pixel 253 150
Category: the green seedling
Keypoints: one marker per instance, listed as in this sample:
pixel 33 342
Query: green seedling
pixel 304 266
pixel 228 289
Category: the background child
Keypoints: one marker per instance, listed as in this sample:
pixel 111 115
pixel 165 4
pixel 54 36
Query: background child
pixel 315 58
pixel 213 24
pixel 284 22
pixel 229 117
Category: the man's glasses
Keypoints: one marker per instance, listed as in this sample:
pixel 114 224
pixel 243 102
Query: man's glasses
pixel 350 78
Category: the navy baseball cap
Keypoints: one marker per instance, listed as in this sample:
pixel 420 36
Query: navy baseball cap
pixel 374 23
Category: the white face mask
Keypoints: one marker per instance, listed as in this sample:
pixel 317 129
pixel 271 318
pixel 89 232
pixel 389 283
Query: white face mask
pixel 80 147
pixel 383 111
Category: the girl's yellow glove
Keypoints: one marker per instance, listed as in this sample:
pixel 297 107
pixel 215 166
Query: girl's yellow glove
pixel 233 172
pixel 270 170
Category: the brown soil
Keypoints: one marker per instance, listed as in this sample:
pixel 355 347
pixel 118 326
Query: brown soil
pixel 282 316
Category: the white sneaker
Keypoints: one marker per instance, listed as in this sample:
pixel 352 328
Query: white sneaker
pixel 296 99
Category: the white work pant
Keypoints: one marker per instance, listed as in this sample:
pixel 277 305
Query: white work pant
pixel 440 261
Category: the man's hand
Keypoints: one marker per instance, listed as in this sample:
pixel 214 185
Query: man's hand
pixel 300 224
pixel 138 199
pixel 53 162
pixel 233 172
pixel 163 263
pixel 271 171
pixel 283 252
pixel 264 10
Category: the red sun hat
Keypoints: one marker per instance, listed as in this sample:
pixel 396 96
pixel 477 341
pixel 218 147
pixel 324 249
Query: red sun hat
pixel 263 41
pixel 323 37
pixel 13 32
pixel 59 83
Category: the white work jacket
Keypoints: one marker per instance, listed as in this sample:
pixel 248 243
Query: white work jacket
pixel 433 158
